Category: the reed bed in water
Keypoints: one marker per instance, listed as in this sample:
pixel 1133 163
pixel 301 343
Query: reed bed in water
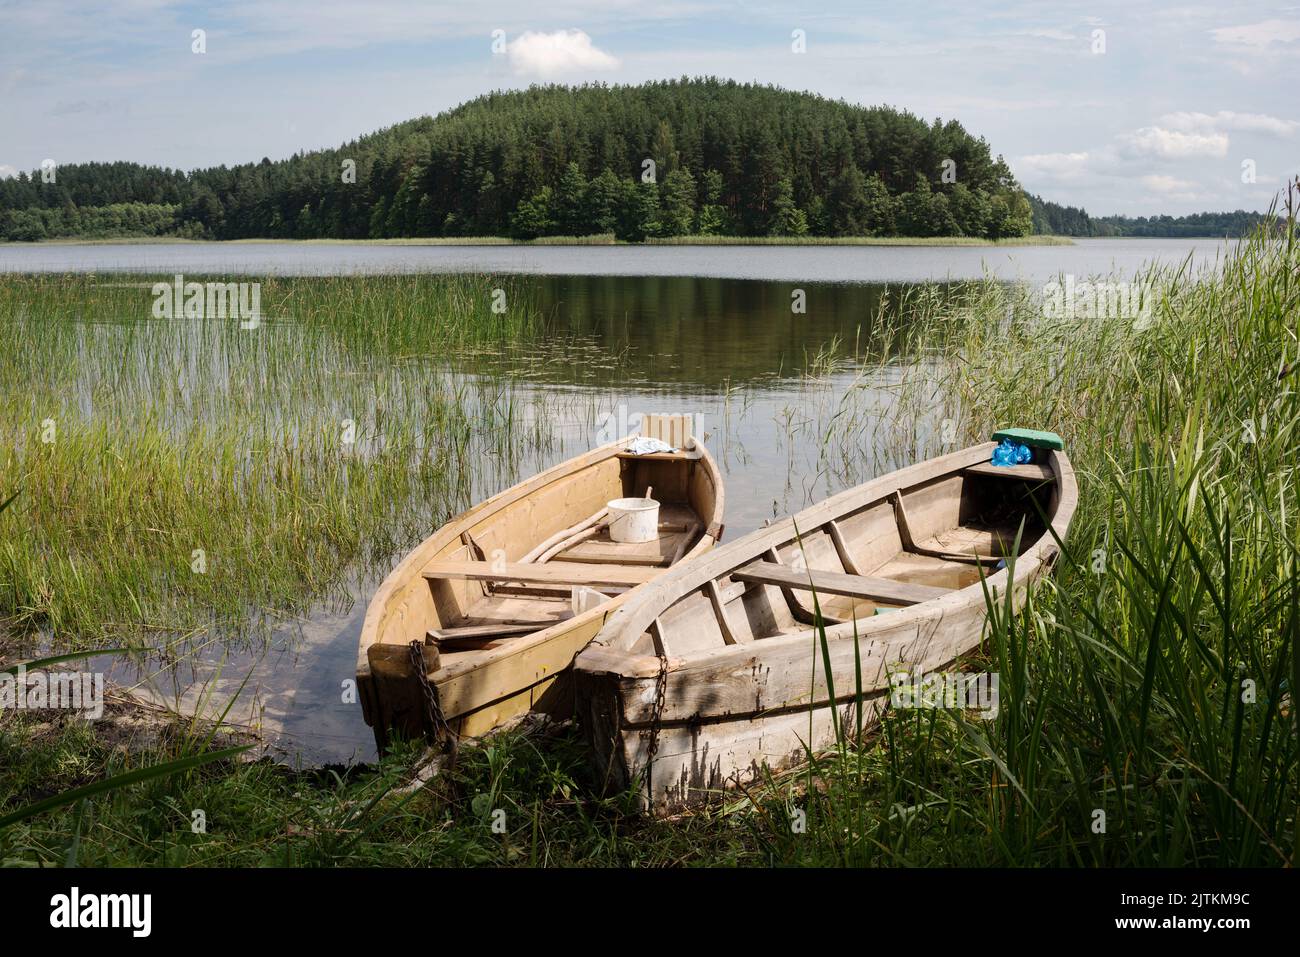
pixel 177 473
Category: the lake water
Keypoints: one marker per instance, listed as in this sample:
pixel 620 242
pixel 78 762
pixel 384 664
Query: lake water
pixel 705 330
pixel 1086 257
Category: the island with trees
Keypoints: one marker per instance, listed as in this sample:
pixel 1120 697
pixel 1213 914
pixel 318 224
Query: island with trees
pixel 691 157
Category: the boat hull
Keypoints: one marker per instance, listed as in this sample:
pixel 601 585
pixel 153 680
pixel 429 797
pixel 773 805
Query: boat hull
pixel 713 717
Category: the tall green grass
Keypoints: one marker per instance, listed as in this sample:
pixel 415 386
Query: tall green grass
pixel 180 473
pixel 1146 714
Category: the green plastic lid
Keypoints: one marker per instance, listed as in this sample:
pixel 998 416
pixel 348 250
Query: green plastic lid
pixel 1031 437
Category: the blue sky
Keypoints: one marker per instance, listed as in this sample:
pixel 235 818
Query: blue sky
pixel 1157 112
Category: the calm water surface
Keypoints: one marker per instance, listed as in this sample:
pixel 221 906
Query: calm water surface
pixel 783 263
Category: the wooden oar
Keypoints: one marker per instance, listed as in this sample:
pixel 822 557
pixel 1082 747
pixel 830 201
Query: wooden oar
pixel 563 534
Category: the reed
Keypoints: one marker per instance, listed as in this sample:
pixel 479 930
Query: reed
pixel 179 474
pixel 1146 714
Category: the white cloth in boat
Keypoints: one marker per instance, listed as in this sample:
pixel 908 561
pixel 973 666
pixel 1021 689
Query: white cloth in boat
pixel 644 445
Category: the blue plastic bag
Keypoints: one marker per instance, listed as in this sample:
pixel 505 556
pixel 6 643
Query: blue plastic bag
pixel 1012 453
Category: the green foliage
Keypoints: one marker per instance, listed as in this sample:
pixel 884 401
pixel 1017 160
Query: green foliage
pixel 246 458
pixel 787 218
pixel 118 219
pixel 639 216
pixel 677 204
pixel 606 195
pixel 1010 216
pixel 860 206
pixel 535 216
pixel 478 169
pixel 923 212
pixel 572 213
pixel 972 212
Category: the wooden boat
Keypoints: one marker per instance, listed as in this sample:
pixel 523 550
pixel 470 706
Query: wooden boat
pixel 478 623
pixel 716 668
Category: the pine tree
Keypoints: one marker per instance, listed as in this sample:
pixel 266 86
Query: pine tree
pixel 640 212
pixel 787 218
pixel 847 203
pixel 572 215
pixel 677 206
pixel 604 198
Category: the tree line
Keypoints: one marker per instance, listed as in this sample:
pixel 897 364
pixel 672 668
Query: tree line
pixel 690 156
pixel 1057 220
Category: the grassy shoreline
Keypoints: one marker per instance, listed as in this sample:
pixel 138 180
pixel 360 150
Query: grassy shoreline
pixel 1147 714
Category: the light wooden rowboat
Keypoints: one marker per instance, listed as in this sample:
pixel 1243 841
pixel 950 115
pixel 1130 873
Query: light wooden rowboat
pixel 483 609
pixel 715 670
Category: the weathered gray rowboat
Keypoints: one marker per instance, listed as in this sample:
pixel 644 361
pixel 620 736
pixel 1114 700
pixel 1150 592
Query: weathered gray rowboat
pixel 715 669
pixel 478 624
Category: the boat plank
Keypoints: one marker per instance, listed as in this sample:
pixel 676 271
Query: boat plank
pixel 1033 472
pixel 478 632
pixel 842 548
pixel 738 681
pixel 838 583
pixel 560 573
pixel 605 551
pixel 729 635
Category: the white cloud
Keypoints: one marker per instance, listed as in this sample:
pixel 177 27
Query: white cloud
pixel 1259 37
pixel 1172 189
pixel 1172 144
pixel 1045 34
pixel 1228 120
pixel 558 53
pixel 1167 184
pixel 1058 166
pixel 7 171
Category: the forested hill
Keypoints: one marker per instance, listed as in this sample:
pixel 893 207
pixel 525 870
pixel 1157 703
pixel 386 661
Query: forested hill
pixel 728 159
pixel 1057 220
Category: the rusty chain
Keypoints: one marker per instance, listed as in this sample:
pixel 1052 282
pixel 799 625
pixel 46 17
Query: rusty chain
pixel 442 732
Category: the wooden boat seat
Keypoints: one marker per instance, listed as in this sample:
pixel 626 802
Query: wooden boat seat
pixel 1031 472
pixel 476 635
pixel 603 550
pixel 663 456
pixel 838 583
pixel 558 573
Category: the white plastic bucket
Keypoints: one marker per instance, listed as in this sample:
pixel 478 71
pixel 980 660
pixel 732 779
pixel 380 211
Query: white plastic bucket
pixel 633 520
